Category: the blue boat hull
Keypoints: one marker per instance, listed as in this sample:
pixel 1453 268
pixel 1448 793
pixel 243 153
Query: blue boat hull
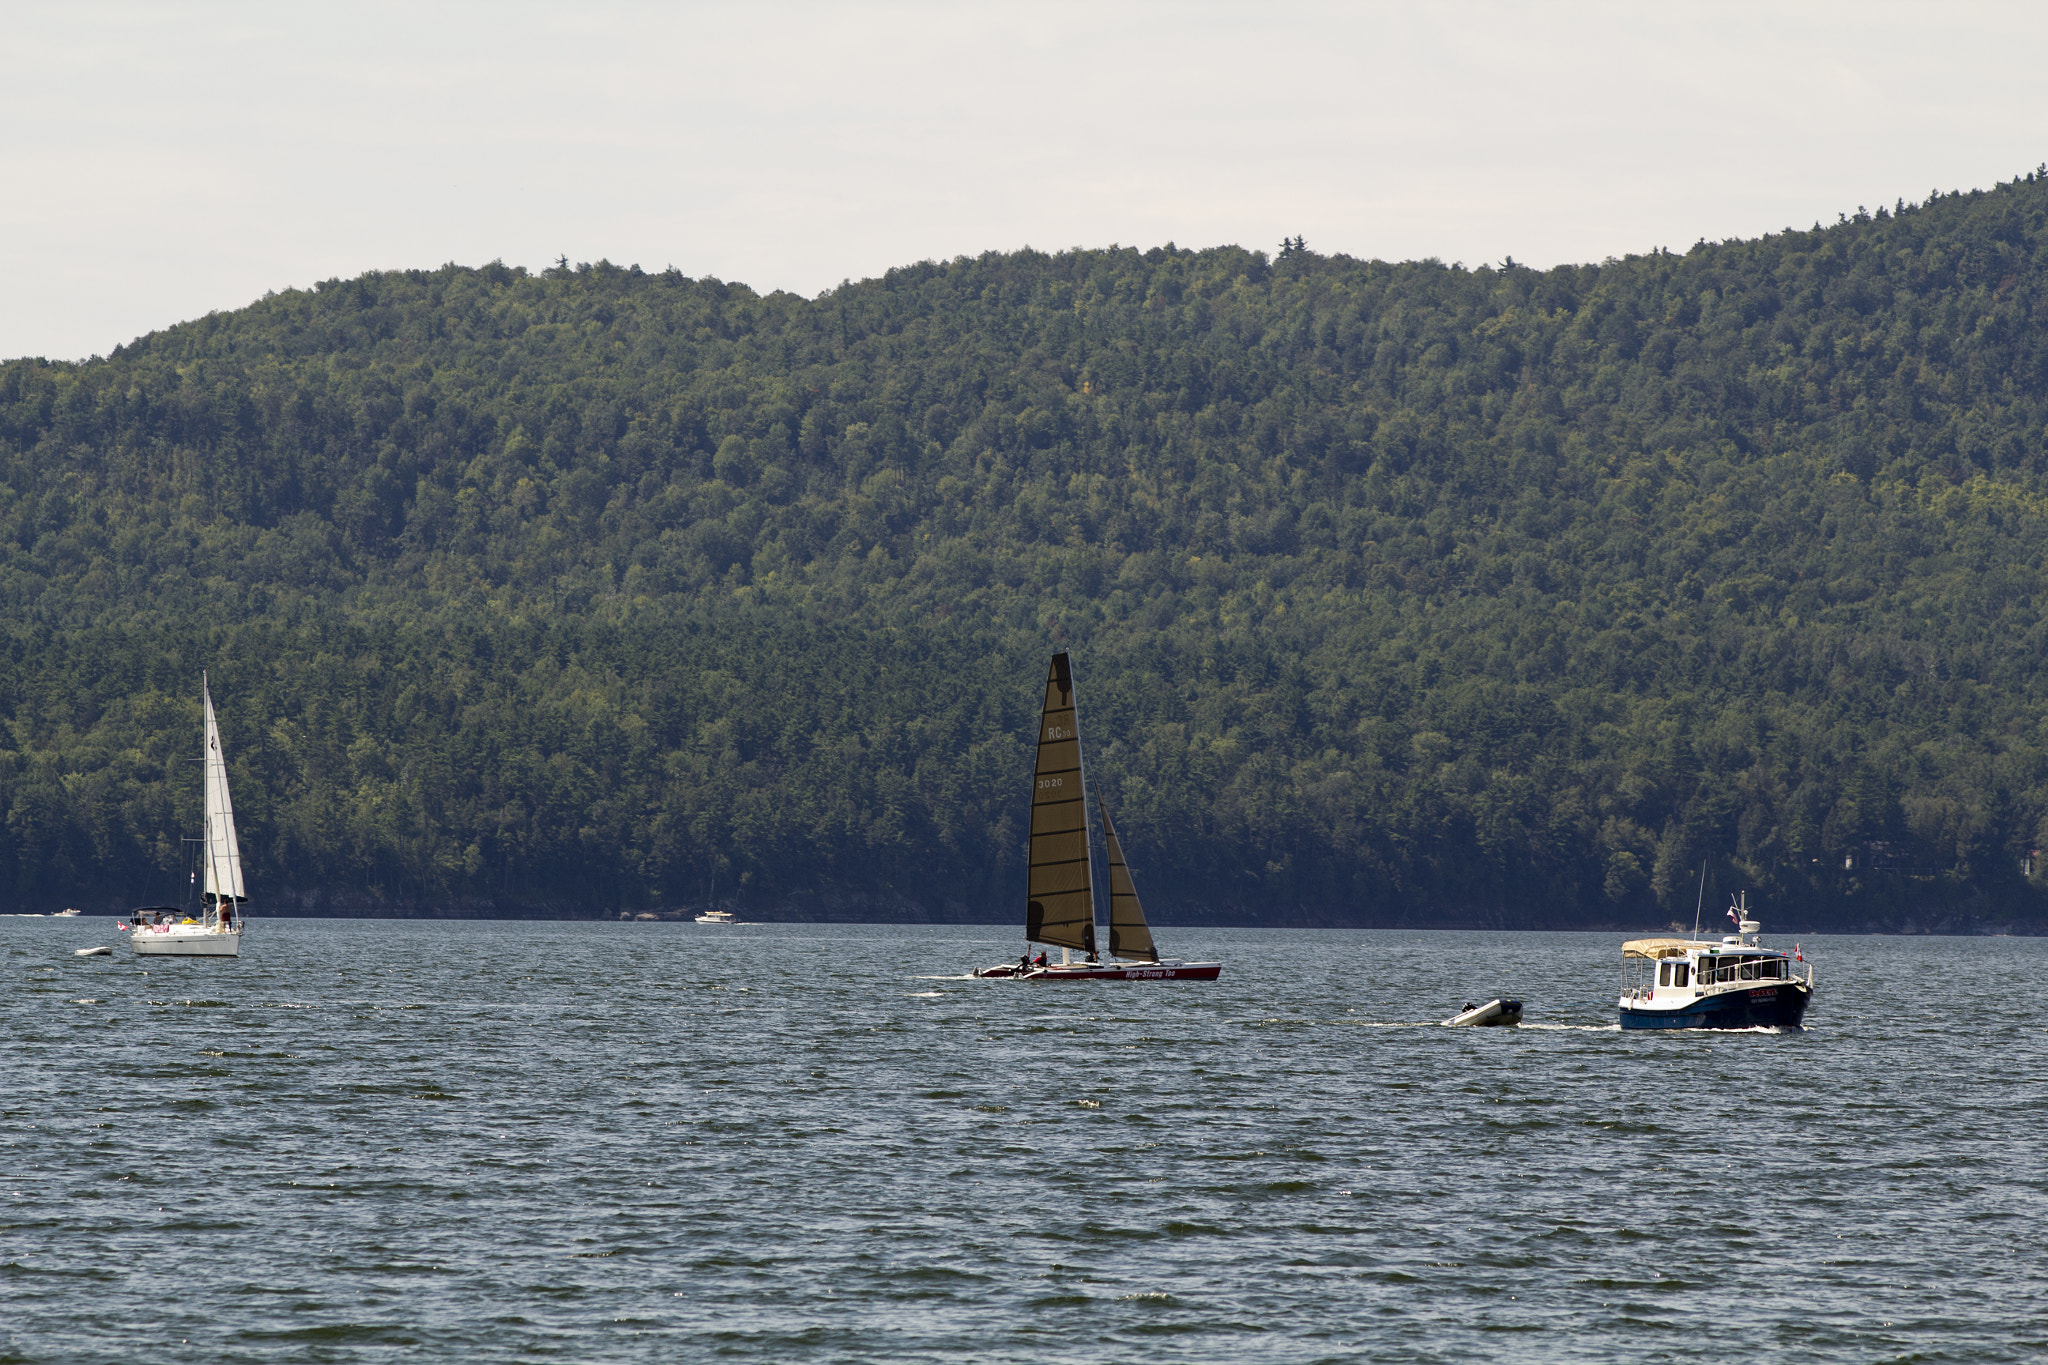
pixel 1778 1005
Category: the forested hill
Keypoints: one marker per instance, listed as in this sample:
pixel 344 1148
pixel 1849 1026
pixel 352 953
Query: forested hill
pixel 1398 593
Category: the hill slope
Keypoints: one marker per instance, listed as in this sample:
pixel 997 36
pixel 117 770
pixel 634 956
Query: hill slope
pixel 1401 593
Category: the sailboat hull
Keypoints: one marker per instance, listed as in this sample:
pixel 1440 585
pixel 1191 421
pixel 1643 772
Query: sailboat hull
pixel 180 940
pixel 1108 971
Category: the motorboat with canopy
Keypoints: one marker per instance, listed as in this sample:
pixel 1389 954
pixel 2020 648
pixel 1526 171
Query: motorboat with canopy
pixel 1061 885
pixel 1696 983
pixel 216 929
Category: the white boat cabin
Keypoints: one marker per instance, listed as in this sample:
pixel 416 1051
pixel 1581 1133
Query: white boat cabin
pixel 1668 970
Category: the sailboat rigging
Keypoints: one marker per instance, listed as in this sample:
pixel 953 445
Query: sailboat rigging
pixel 1060 881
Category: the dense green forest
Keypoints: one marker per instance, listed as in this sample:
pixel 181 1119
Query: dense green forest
pixel 1399 593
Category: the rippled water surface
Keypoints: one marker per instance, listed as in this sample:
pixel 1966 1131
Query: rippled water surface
pixel 386 1140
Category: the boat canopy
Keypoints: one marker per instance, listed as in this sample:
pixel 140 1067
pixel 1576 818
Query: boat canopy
pixel 1654 948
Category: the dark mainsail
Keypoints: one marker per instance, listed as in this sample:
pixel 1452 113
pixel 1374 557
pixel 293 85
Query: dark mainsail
pixel 1060 907
pixel 1129 935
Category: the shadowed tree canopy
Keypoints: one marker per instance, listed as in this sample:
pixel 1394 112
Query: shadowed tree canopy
pixel 1397 592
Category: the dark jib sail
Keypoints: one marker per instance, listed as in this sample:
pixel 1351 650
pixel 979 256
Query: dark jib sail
pixel 1061 908
pixel 1129 935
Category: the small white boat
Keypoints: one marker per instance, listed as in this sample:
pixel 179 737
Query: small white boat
pixel 102 951
pixel 167 931
pixel 64 914
pixel 717 917
pixel 1492 1014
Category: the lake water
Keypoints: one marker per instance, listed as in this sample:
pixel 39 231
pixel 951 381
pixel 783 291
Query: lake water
pixel 392 1141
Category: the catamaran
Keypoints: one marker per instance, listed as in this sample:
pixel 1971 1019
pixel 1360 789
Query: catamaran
pixel 168 931
pixel 1060 885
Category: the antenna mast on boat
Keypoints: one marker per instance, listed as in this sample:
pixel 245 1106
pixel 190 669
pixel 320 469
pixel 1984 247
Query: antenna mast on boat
pixel 1701 902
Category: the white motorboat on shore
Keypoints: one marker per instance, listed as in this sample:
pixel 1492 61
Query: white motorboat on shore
pixel 1494 1013
pixel 1060 888
pixel 216 930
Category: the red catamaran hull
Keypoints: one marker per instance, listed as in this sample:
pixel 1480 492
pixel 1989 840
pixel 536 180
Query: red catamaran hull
pixel 1084 971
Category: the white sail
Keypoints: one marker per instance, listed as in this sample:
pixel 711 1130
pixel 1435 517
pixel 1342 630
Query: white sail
pixel 222 854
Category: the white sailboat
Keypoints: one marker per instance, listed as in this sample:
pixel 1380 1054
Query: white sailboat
pixel 160 930
pixel 1060 889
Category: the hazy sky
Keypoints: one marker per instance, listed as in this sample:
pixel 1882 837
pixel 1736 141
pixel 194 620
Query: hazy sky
pixel 160 161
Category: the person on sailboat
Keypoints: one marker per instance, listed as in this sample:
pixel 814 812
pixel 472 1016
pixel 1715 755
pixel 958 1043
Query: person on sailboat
pixel 1041 963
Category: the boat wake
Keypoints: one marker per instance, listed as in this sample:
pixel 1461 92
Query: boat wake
pixel 1757 1028
pixel 1524 1027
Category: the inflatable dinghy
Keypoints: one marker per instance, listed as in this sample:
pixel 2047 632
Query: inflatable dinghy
pixel 102 951
pixel 1491 1014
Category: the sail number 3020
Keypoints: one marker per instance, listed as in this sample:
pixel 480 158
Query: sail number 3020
pixel 1045 782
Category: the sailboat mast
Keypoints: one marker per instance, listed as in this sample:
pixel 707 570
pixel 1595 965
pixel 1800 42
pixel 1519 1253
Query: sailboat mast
pixel 1088 826
pixel 205 788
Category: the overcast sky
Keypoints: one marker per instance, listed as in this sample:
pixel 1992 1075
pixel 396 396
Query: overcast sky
pixel 160 161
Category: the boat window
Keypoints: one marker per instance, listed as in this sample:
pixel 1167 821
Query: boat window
pixel 1678 973
pixel 1774 968
pixel 1663 973
pixel 1749 969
